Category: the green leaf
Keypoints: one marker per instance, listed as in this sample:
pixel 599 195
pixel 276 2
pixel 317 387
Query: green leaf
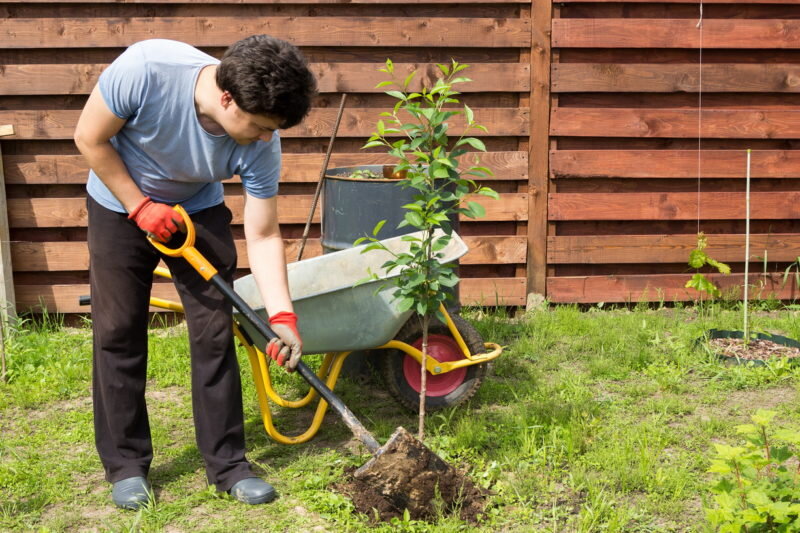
pixel 729 452
pixel 747 429
pixel 389 66
pixel 414 219
pixel 373 144
pixel 405 304
pixel 409 78
pixel 491 193
pixel 719 467
pixel 378 227
pixel 780 454
pixel 721 267
pixel 697 258
pixel 477 209
pixel 763 417
pixel 474 142
pixel 787 435
pixel 758 498
pixel 469 114
pixel 397 94
pixel 383 84
pixel 700 283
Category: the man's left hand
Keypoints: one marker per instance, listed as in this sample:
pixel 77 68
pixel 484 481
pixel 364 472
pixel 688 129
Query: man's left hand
pixel 287 348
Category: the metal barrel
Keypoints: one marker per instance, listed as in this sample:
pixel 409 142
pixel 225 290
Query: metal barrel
pixel 352 207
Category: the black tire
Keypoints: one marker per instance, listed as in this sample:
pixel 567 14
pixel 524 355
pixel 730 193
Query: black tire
pixel 458 387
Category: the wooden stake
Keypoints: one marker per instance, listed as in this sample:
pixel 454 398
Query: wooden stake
pixel 747 249
pixel 7 300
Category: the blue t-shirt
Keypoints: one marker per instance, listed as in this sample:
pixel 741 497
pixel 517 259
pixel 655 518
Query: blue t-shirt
pixel 167 152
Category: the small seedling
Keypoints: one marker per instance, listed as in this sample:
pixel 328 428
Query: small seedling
pixel 698 258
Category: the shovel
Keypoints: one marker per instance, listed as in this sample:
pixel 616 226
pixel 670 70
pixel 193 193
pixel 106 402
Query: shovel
pixel 404 472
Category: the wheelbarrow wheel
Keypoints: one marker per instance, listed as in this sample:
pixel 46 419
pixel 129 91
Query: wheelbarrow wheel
pixel 401 372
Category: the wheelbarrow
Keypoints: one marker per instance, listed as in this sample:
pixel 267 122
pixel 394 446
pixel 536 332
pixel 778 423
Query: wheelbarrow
pixel 339 316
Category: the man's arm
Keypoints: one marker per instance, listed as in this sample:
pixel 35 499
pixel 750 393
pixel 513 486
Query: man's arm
pixel 266 252
pixel 96 125
pixel 268 264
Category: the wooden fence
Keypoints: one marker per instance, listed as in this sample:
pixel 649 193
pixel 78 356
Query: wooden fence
pixel 653 107
pixel 52 53
pixel 617 130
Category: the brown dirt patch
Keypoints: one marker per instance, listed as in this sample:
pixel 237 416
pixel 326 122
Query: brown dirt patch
pixel 755 350
pixel 406 475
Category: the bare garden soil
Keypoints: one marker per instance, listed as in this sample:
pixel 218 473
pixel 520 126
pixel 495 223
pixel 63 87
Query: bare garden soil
pixel 755 350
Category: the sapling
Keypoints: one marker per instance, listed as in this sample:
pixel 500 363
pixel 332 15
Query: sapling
pixel 698 258
pixel 428 161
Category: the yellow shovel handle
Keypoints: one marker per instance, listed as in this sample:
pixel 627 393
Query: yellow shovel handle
pixel 187 249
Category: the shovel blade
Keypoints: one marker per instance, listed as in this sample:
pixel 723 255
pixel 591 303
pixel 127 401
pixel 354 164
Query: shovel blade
pixel 408 475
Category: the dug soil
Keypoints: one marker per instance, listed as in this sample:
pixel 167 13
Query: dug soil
pixel 369 501
pixel 404 475
pixel 755 350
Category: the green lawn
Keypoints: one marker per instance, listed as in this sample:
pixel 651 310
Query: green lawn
pixel 593 420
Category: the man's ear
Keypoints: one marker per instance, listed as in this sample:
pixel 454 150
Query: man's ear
pixel 226 99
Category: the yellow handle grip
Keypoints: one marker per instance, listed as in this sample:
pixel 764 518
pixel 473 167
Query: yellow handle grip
pixel 187 249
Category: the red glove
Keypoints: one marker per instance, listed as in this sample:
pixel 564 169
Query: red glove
pixel 159 221
pixel 287 342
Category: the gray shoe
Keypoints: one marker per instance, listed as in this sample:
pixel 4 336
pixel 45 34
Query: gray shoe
pixel 253 491
pixel 131 493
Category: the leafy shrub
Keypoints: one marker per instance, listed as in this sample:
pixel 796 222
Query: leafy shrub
pixel 758 489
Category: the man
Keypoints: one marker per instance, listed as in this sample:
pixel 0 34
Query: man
pixel 164 125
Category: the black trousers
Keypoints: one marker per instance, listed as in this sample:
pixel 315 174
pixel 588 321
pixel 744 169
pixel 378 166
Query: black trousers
pixel 121 274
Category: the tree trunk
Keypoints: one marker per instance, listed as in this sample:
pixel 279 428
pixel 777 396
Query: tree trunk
pixel 423 390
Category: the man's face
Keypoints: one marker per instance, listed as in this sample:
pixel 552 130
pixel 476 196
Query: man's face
pixel 247 128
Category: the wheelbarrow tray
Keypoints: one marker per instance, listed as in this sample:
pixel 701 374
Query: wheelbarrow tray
pixel 334 315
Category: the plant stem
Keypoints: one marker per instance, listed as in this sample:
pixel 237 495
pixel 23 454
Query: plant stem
pixel 423 378
pixel 766 443
pixel 741 485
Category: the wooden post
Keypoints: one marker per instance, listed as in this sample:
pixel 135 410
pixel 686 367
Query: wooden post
pixel 7 300
pixel 538 151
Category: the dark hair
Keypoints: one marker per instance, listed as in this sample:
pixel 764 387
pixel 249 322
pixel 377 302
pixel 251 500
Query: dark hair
pixel 266 75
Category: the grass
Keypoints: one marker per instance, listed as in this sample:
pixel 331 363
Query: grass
pixel 593 420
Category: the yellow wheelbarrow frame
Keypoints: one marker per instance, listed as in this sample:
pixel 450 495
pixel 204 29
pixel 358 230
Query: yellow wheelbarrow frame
pixel 329 370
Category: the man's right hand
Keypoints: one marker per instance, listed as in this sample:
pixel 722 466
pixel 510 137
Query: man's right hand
pixel 158 220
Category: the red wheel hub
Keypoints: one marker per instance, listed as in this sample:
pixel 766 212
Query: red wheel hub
pixel 443 348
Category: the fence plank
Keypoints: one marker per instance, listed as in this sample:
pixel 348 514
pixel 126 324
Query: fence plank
pixel 676 123
pixel 673 206
pixel 74 256
pixel 293 209
pixel 296 168
pixel 50 79
pixel 614 249
pixel 539 143
pixel 301 31
pixel 289 2
pixel 64 298
pixel 659 287
pixel 673 163
pixel 675 33
pixel 668 78
pixel 644 1
pixel 358 122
